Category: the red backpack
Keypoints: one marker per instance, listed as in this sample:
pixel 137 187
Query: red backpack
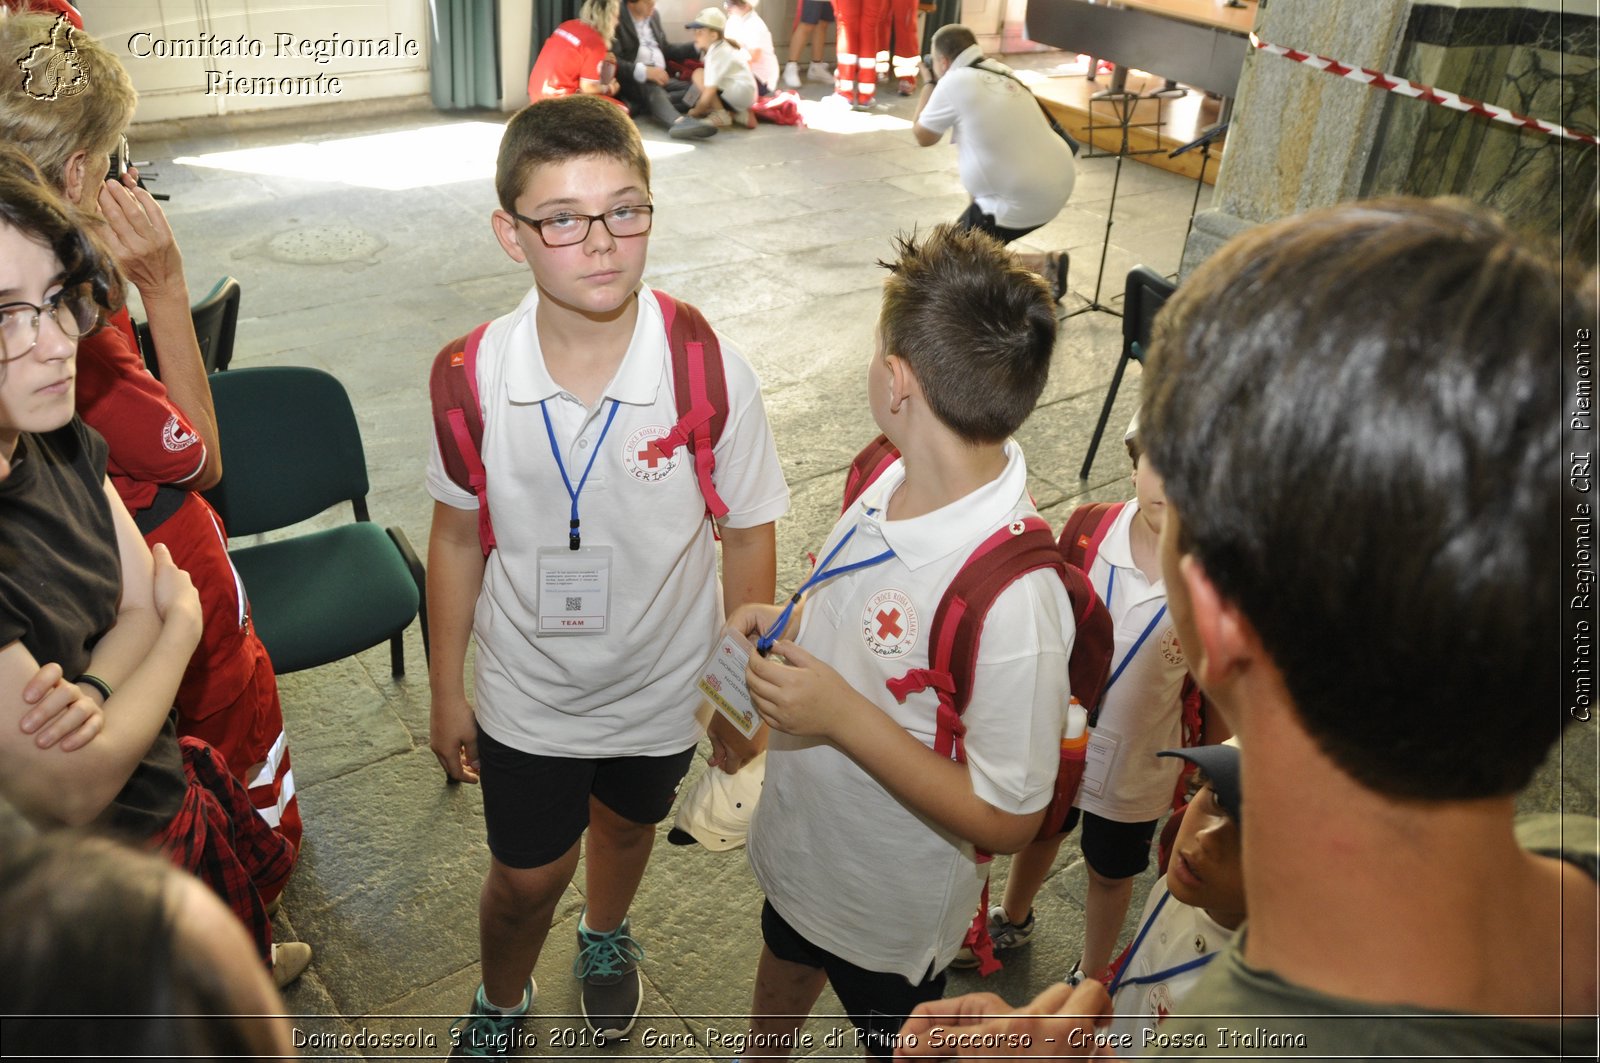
pixel 999 561
pixel 700 387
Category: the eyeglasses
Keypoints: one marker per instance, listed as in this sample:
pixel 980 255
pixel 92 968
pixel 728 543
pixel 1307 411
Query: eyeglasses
pixel 566 228
pixel 19 322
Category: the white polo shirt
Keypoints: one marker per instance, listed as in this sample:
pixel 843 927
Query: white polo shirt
pixel 630 691
pixel 1178 936
pixel 728 71
pixel 845 863
pixel 1011 163
pixel 1125 781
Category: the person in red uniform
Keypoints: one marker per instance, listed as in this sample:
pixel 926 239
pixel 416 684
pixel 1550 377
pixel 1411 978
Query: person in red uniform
pixel 576 57
pixel 861 32
pixel 162 434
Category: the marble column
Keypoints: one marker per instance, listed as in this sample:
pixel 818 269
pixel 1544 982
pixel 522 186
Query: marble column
pixel 1302 138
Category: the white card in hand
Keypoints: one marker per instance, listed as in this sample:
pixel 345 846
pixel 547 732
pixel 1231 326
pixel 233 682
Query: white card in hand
pixel 722 682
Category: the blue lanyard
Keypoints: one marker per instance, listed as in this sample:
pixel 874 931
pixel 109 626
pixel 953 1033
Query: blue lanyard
pixel 573 539
pixel 820 573
pixel 1111 585
pixel 1117 981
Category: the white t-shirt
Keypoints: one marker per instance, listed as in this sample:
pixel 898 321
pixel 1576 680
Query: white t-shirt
pixel 1011 163
pixel 1179 936
pixel 1141 715
pixel 630 691
pixel 756 40
pixel 844 862
pixel 728 71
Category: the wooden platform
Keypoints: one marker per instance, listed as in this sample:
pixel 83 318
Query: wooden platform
pixel 1182 119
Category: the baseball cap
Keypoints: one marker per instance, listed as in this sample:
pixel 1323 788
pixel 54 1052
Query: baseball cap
pixel 1221 765
pixel 710 18
pixel 716 810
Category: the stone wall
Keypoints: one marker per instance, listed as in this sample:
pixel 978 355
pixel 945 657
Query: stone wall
pixel 1302 138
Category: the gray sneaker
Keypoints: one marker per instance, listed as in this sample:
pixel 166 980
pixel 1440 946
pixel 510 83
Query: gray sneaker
pixel 687 128
pixel 486 1032
pixel 608 967
pixel 1003 934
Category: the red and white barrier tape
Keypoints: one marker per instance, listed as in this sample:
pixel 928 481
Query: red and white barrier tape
pixel 1391 83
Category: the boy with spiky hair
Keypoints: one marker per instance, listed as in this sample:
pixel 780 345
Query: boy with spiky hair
pixel 866 841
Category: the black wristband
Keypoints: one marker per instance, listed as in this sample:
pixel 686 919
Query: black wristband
pixel 86 679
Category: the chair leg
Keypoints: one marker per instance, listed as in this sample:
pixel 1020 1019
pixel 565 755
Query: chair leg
pixel 1105 414
pixel 422 619
pixel 397 655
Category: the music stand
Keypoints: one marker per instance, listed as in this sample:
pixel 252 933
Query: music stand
pixel 1122 105
pixel 1203 142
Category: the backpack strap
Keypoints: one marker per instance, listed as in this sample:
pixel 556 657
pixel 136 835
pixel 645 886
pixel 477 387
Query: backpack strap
pixel 1085 530
pixel 1089 667
pixel 999 561
pixel 700 385
pixel 865 469
pixel 458 422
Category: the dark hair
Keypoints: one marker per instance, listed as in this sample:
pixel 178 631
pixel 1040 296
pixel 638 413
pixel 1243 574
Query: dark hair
pixel 1357 415
pixel 89 932
pixel 950 41
pixel 976 327
pixel 559 129
pixel 28 205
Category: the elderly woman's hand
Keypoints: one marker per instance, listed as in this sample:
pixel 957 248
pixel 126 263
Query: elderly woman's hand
pixel 140 238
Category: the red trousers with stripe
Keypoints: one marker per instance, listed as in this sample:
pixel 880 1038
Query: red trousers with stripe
pixel 229 694
pixel 902 24
pixel 861 33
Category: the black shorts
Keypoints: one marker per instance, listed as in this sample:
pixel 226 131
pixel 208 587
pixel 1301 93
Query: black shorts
pixel 975 217
pixel 814 11
pixel 1114 850
pixel 535 808
pixel 878 1003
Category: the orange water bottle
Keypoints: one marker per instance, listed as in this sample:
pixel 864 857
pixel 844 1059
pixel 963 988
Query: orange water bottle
pixel 1069 773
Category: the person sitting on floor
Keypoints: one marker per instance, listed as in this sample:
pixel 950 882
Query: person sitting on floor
pixel 575 58
pixel 643 52
pixel 724 89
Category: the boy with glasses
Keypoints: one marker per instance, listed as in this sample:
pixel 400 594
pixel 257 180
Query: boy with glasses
pixel 590 732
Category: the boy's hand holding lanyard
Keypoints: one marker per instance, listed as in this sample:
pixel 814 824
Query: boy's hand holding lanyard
pixel 795 692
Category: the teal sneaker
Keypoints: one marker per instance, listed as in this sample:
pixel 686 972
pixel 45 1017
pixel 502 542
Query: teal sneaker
pixel 608 967
pixel 486 1032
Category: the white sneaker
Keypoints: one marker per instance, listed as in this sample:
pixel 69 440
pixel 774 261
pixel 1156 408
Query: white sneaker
pixel 791 76
pixel 819 72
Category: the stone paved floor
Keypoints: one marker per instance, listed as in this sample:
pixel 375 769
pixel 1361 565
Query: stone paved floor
pixel 362 244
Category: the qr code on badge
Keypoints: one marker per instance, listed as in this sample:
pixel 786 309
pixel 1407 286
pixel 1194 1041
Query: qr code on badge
pixel 574 604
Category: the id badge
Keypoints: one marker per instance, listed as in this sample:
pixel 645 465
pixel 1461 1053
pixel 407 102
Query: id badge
pixel 1098 758
pixel 722 682
pixel 574 590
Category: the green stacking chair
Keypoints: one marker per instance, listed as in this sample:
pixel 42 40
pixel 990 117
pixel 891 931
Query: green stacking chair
pixel 216 319
pixel 290 450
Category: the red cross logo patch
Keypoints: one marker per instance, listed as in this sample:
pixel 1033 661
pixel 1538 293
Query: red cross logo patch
pixel 889 624
pixel 643 457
